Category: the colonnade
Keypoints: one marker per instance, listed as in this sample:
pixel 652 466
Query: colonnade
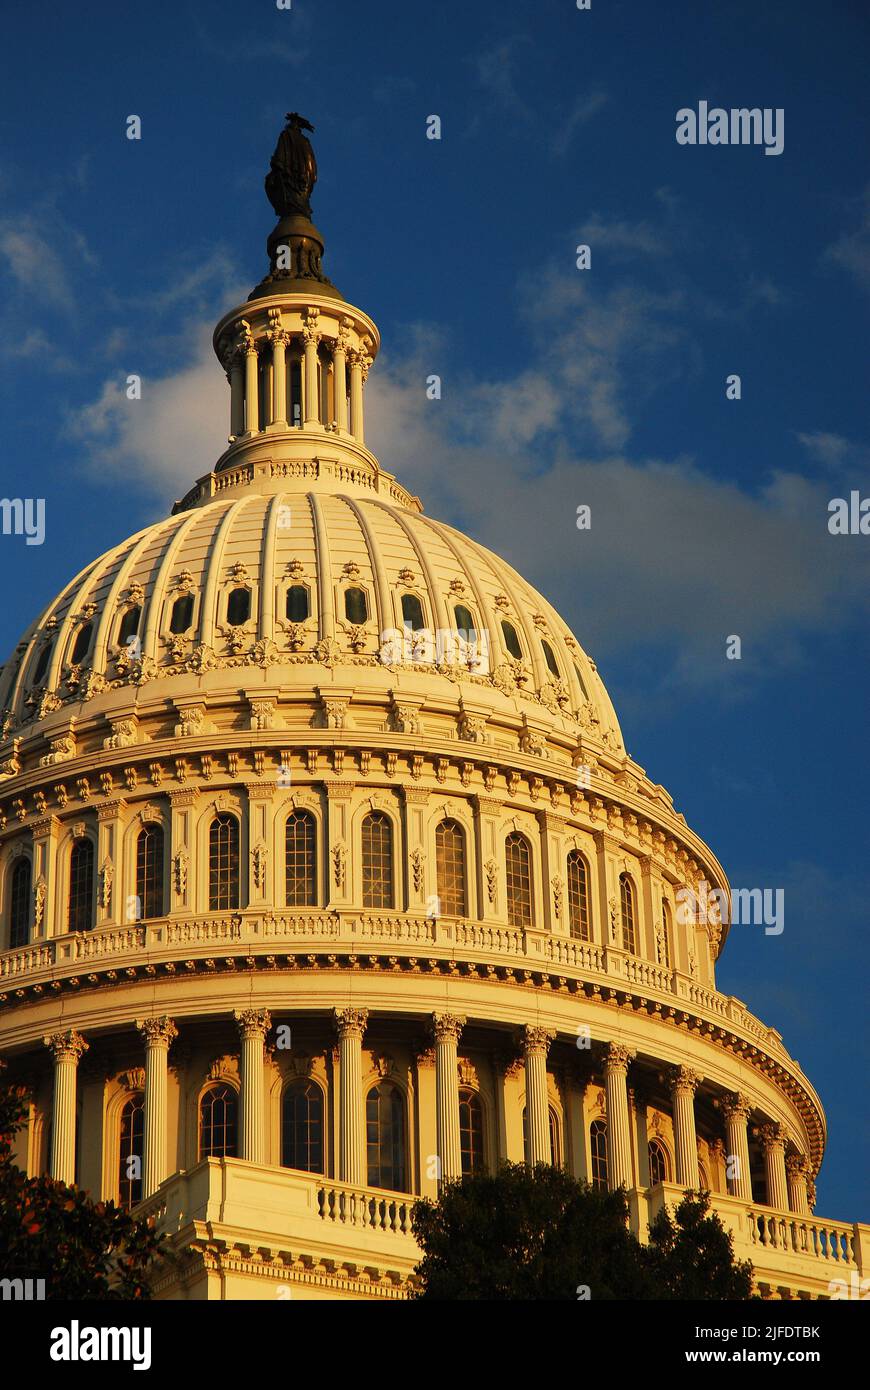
pixel 786 1178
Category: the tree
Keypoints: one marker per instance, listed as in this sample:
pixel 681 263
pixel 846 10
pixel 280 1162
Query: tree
pixel 692 1255
pixel 539 1234
pixel 82 1249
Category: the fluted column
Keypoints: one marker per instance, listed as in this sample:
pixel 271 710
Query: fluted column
pixel 278 339
pixel 618 1130
pixel 446 1029
pixel 351 1025
pixel 736 1110
pixel 158 1034
pixel 536 1044
pixel 797 1170
pixel 311 338
pixel 253 1026
pixel 356 402
pixel 252 399
pixel 684 1083
pixel 67 1049
pixel 773 1139
pixel 339 363
pixel 237 394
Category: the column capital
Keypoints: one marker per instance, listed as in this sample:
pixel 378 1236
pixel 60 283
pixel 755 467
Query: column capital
pixel 618 1057
pixel 685 1079
pixel 773 1136
pixel 536 1039
pixel 67 1046
pixel 736 1106
pixel 253 1023
pixel 798 1167
pixel 158 1032
pixel 351 1023
pixel 447 1027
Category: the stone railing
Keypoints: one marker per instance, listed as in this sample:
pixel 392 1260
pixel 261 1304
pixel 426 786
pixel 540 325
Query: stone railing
pixel 366 1207
pixel 802 1235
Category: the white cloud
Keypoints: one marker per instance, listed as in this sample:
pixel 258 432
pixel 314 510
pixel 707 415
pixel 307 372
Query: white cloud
pixel 851 251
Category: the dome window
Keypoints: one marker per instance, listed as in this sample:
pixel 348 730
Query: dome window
pixel 297 603
pixel 580 681
pixel 550 658
pixel 82 643
pixel 41 666
pixel 238 607
pixel 511 641
pixel 129 626
pixel 182 614
pixel 412 612
pixel 356 606
pixel 464 620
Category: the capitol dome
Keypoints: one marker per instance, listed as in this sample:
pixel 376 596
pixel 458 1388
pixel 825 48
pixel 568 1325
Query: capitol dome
pixel 326 877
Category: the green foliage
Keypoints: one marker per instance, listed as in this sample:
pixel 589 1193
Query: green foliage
pixel 539 1234
pixel 82 1249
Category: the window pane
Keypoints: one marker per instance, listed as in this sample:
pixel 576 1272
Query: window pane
pixel 412 612
pixel 223 863
pixel 81 644
pixel 629 934
pixel 19 904
pixel 385 1138
pixel 519 880
pixel 41 666
pixel 511 641
pixel 550 659
pixel 297 603
pixel 149 871
pixel 182 613
pixel 356 607
pixel 302 1127
pixel 131 1147
pixel 658 1165
pixel 377 860
pixel 218 1112
pixel 450 868
pixel 81 886
pixel 301 866
pixel 471 1132
pixel 598 1145
pixel 238 607
pixel 578 896
pixel 465 622
pixel 129 626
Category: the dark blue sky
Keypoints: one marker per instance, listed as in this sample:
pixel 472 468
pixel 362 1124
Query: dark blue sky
pixel 560 387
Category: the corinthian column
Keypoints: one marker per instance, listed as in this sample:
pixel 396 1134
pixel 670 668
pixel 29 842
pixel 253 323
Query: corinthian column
pixel 253 1025
pixel 684 1083
pixel 67 1049
pixel 237 393
pixel 447 1028
pixel 278 339
pixel 536 1044
pixel 618 1132
pixel 252 399
pixel 311 338
pixel 797 1171
pixel 158 1034
pixel 339 363
pixel 736 1110
pixel 356 395
pixel 773 1139
pixel 350 1025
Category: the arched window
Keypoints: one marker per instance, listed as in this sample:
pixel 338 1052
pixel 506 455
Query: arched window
pixel 218 1122
pixel 149 870
pixel 629 928
pixel 129 626
pixel 377 860
pixel 658 1162
pixel 19 903
pixel 302 1127
pixel 385 1137
pixel 223 863
pixel 511 641
pixel 598 1150
pixel 578 896
pixel 41 666
pixel 550 658
pixel 131 1150
pixel 450 868
pixel 412 612
pixel 82 643
pixel 581 682
pixel 356 606
pixel 301 862
pixel 182 613
pixel 471 1131
pixel 238 607
pixel 464 620
pixel 665 938
pixel 81 886
pixel 703 1180
pixel 297 603
pixel 518 868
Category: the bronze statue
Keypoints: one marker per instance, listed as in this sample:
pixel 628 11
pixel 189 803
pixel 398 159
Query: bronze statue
pixel 293 171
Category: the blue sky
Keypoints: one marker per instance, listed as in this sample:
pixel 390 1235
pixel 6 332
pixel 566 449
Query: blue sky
pixel 560 387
